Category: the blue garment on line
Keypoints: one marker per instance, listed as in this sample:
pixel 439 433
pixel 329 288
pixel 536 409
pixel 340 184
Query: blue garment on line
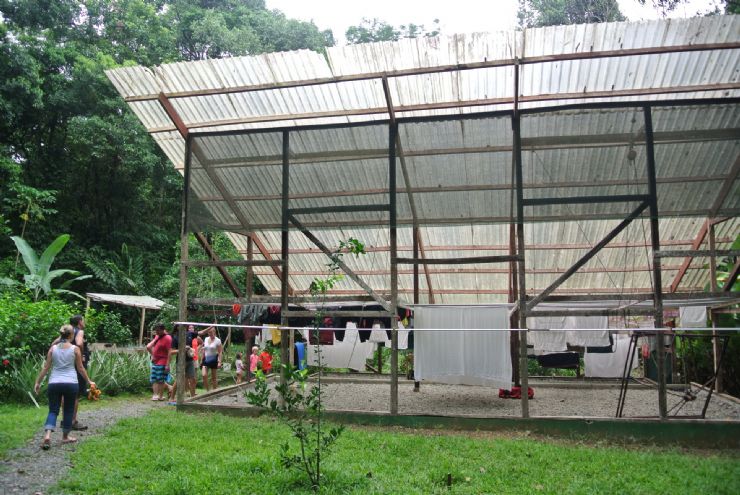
pixel 300 347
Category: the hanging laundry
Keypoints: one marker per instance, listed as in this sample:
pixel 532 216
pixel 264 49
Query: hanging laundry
pixel 274 334
pixel 377 334
pixel 552 340
pixel 610 365
pixel 692 316
pixel 350 353
pixel 458 353
pixel 590 337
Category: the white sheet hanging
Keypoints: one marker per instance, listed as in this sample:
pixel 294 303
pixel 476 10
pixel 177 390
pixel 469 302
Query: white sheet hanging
pixel 403 338
pixel 348 353
pixel 610 365
pixel 467 357
pixel 377 334
pixel 596 338
pixel 551 340
pixel 692 317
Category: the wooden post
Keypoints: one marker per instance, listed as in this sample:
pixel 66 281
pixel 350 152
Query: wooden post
pixel 285 354
pixel 522 296
pixel 657 275
pixel 184 255
pixel 141 326
pixel 713 284
pixel 392 137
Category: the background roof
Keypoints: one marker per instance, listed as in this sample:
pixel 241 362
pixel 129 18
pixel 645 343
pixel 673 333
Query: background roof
pixel 460 171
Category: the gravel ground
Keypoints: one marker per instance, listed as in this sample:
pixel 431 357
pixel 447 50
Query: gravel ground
pixel 552 398
pixel 30 470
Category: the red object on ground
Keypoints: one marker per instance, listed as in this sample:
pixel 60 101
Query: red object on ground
pixel 515 393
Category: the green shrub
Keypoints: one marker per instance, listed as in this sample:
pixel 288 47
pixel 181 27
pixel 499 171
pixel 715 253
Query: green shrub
pixel 106 326
pixel 27 328
pixel 22 377
pixel 115 373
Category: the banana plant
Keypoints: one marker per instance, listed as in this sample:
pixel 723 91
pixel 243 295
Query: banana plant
pixel 40 276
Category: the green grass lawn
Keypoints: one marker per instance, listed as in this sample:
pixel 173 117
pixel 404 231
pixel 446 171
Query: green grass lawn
pixel 18 425
pixel 175 453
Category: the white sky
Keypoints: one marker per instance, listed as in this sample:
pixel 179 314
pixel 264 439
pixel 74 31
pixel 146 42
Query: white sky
pixel 455 16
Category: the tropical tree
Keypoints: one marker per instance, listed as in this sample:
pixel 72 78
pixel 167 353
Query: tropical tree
pixel 539 13
pixel 370 30
pixel 40 276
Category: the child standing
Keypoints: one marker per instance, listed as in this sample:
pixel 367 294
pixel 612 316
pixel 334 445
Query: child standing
pixel 253 360
pixel 265 360
pixel 239 366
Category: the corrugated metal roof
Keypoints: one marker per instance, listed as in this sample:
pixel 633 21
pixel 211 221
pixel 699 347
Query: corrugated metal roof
pixel 460 171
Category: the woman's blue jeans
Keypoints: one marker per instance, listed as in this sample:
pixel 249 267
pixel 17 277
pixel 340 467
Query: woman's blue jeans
pixel 56 392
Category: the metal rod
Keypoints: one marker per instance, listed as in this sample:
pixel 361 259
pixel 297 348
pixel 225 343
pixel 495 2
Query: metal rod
pixel 592 312
pixel 657 275
pixel 392 137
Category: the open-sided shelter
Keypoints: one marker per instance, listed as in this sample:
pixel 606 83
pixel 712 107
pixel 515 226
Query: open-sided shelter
pixel 568 163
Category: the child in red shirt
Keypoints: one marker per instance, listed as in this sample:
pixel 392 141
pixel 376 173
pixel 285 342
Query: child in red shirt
pixel 266 361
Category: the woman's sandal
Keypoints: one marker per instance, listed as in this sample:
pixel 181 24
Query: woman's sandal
pixel 46 444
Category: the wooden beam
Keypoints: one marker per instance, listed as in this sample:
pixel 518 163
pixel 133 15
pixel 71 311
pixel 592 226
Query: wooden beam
pixel 346 269
pixel 568 273
pixel 461 104
pixel 467 221
pixel 530 247
pixel 697 253
pixel 407 186
pixel 464 188
pixel 714 209
pixel 593 312
pixel 184 133
pixel 445 68
pixel 732 278
pixel 221 263
pixel 459 261
pixel 528 144
pixel 220 267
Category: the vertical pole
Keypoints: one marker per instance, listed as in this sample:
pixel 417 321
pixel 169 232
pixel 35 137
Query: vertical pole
pixel 713 285
pixel 141 326
pixel 248 343
pixel 514 320
pixel 250 269
pixel 657 275
pixel 417 385
pixel 522 299
pixel 184 254
pixel 392 133
pixel 87 306
pixel 285 353
pixel 416 265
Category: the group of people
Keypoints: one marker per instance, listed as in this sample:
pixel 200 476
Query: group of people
pixel 67 359
pixel 202 348
pixel 257 362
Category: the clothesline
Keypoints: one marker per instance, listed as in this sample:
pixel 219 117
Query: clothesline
pixel 638 330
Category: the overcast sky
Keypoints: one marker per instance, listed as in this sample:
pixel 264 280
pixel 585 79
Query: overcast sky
pixel 455 16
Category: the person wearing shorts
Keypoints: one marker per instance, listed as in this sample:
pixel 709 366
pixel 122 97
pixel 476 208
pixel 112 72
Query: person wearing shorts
pixel 212 355
pixel 159 348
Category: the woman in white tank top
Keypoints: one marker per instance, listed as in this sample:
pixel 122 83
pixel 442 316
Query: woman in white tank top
pixel 65 360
